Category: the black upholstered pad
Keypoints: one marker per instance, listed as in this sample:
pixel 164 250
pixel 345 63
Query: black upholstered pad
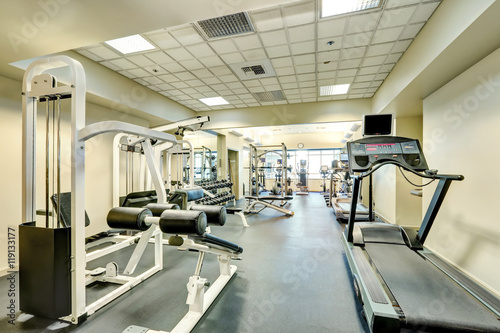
pixel 217 242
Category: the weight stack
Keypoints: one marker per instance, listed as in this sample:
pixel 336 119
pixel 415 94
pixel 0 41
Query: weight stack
pixel 44 271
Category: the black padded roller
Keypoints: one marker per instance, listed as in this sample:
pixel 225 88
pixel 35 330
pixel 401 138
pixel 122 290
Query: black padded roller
pixel 130 218
pixel 215 214
pixel 184 222
pixel 157 209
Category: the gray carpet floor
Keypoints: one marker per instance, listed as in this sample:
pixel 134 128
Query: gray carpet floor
pixel 293 278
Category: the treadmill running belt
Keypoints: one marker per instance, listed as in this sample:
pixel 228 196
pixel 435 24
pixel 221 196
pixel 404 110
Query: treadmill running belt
pixel 430 300
pixel 346 208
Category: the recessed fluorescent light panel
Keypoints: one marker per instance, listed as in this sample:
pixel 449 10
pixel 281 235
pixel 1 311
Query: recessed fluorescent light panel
pixel 338 7
pixel 130 44
pixel 213 101
pixel 338 89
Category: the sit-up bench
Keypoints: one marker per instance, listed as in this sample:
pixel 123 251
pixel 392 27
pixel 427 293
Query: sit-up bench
pixel 268 202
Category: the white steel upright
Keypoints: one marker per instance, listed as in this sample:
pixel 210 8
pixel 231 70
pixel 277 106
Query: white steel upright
pixel 36 84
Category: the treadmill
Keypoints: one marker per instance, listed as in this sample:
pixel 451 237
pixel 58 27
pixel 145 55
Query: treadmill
pixel 402 286
pixel 342 207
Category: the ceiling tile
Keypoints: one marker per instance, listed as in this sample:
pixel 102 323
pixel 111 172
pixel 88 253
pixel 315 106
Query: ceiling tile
pixel 402 45
pixel 204 89
pixel 235 85
pixel 368 70
pixel 250 104
pixel 256 89
pixel 331 66
pixel 186 35
pixel 159 57
pixel 278 51
pixel 371 90
pixel 189 91
pixel 184 76
pixel 200 50
pixel 411 30
pixel 169 78
pixel 164 40
pixel 223 46
pixel 220 70
pixel 301 69
pixel 325 82
pixel 302 33
pixel 285 71
pixel 228 78
pixel 139 72
pixel 306 77
pixel 395 17
pixel 352 63
pixel 153 80
pixel 272 87
pixel 267 20
pixel 353 91
pixel 122 63
pixel 300 14
pixel 355 96
pixel 211 61
pixel 191 64
pixel 379 49
pixel 257 54
pixel 287 79
pixel 179 54
pixel 308 90
pixel 141 60
pixel 252 83
pixel 386 68
pixel 346 72
pixel 344 80
pixel 202 73
pixel 393 58
pixel 218 87
pixel 356 40
pixel 364 78
pixel 154 88
pixel 381 76
pixel 232 58
pixel 173 67
pixel 363 22
pixel 239 91
pixel 387 35
pixel 307 84
pixel 164 86
pixel 399 3
pixel 308 100
pixel 328 56
pixel 327 75
pixel 360 85
pixel 195 83
pixel 353 52
pixel 372 61
pixel 331 27
pixel 268 81
pixel 309 95
pixel 274 38
pixel 303 47
pixel 423 12
pixel 376 84
pixel 282 62
pixel 103 52
pixel 289 86
pixel 304 59
pixel 111 66
pixel 127 74
pixel 179 85
pixel 247 42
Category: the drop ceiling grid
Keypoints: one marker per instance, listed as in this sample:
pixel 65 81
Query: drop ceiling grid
pixel 185 67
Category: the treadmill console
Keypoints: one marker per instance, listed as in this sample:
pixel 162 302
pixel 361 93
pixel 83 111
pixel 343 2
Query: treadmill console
pixel 367 152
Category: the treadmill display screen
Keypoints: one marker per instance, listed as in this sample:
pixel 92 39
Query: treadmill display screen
pixel 383 148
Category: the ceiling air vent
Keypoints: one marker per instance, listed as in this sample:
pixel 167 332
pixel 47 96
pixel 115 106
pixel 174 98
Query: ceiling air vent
pixel 270 96
pixel 253 69
pixel 225 26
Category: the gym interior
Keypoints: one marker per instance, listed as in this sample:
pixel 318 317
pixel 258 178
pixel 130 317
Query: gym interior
pixel 254 166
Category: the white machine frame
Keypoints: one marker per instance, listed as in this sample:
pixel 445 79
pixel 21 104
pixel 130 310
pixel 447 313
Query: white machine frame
pixel 37 85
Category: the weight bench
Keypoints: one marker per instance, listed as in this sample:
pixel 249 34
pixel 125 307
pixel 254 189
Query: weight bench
pixel 239 212
pixel 189 232
pixel 268 202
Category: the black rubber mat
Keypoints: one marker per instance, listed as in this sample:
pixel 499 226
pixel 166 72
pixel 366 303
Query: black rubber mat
pixel 430 300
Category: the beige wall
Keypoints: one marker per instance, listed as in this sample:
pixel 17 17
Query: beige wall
pixel 461 122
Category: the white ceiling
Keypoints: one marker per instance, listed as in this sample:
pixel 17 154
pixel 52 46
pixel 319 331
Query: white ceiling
pixel 185 67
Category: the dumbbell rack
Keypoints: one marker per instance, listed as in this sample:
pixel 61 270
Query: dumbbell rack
pixel 217 192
